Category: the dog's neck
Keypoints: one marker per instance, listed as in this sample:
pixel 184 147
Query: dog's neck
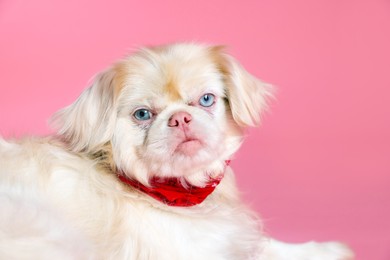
pixel 174 191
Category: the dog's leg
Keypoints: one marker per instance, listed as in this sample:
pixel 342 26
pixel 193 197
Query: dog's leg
pixel 276 250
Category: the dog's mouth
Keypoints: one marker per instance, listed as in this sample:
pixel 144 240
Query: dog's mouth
pixel 189 146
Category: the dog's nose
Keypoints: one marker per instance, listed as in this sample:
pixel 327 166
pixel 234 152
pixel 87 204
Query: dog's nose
pixel 179 119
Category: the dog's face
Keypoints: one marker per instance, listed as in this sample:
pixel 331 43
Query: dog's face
pixel 176 110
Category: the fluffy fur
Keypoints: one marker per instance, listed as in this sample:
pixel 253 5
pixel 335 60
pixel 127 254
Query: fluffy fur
pixel 60 196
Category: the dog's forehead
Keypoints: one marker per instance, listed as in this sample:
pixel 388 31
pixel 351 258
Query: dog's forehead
pixel 172 75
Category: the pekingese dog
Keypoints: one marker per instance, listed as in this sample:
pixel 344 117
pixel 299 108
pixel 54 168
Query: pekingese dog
pixel 139 168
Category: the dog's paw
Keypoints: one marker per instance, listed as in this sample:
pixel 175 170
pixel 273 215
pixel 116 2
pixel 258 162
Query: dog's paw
pixel 327 251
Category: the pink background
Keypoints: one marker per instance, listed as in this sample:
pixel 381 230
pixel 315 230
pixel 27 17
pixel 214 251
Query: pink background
pixel 318 168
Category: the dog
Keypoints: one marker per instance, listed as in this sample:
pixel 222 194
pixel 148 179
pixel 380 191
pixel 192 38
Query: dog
pixel 139 167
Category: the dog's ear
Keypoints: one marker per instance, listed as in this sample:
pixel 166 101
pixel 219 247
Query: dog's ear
pixel 247 96
pixel 88 123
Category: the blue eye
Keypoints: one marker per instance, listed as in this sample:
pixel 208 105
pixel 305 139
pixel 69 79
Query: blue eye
pixel 207 100
pixel 142 114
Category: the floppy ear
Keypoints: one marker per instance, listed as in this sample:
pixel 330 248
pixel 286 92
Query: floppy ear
pixel 88 122
pixel 247 96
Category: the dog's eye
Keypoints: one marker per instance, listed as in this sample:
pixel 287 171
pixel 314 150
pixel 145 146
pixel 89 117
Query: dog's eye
pixel 142 114
pixel 207 100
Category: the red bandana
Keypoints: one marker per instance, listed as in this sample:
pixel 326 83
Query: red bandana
pixel 172 192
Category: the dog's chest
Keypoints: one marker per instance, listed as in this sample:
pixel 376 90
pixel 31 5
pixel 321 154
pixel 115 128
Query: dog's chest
pixel 155 234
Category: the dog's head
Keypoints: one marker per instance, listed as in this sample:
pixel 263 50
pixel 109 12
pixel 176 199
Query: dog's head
pixel 176 110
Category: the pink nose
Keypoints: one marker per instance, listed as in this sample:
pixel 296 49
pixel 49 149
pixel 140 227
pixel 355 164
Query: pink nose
pixel 179 119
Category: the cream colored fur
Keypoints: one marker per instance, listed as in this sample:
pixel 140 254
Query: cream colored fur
pixel 60 197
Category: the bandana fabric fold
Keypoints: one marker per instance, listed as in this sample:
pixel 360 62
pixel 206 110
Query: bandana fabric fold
pixel 172 192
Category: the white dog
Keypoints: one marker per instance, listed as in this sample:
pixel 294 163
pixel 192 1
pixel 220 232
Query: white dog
pixel 139 168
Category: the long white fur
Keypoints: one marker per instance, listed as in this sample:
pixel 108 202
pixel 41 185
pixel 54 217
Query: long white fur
pixel 60 197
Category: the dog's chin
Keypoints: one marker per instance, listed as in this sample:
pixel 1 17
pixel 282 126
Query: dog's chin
pixel 184 158
pixel 188 147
